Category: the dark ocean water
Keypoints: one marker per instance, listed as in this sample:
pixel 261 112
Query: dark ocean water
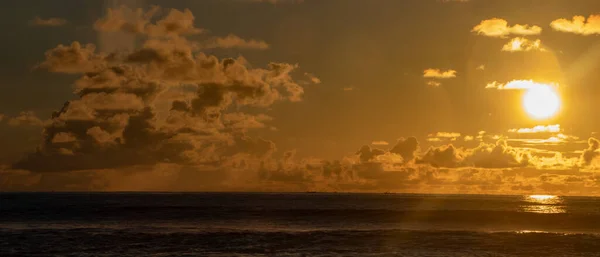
pixel 303 224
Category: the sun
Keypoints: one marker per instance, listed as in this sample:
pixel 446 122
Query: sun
pixel 541 102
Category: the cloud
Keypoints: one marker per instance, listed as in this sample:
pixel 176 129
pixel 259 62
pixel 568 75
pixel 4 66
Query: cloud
pixel 233 41
pixel 27 118
pixel 441 136
pixel 520 44
pixel 126 20
pixel 176 23
pixel 447 134
pixel 406 148
pixel 367 154
pixel 578 25
pixel 432 83
pixel 50 22
pixel 166 116
pixel 63 137
pixel 499 155
pixel 487 168
pixel 591 152
pixel 380 142
pixel 312 78
pixel 538 129
pixel 518 85
pixel 480 67
pixel 74 58
pixel 126 113
pixel 438 74
pixel 553 139
pixel 499 28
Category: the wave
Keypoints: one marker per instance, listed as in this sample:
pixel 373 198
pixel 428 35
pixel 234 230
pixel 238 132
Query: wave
pixel 397 242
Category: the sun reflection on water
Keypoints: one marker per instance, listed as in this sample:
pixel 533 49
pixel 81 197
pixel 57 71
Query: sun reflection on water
pixel 543 204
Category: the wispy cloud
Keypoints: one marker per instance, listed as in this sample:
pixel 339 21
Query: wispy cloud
pixel 233 41
pixel 50 22
pixel 26 118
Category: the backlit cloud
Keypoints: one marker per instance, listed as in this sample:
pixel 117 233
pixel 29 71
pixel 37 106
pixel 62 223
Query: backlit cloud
pixel 496 27
pixel 520 44
pixel 439 74
pixel 578 25
pixel 538 129
pixel 517 85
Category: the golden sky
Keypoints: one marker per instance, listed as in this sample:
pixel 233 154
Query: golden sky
pixel 431 96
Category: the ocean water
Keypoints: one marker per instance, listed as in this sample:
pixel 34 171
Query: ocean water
pixel 296 224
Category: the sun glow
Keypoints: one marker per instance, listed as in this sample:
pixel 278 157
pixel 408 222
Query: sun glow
pixel 541 102
pixel 542 197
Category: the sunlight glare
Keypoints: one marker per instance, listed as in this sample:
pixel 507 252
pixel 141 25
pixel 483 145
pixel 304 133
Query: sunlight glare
pixel 542 197
pixel 541 102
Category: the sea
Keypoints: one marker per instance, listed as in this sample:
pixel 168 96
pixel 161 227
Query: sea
pixel 297 224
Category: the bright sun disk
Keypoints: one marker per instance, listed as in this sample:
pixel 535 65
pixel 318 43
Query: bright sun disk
pixel 541 102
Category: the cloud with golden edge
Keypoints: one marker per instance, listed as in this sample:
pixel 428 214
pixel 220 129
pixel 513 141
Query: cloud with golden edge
pixel 537 129
pixel 380 142
pixel 518 85
pixel 578 25
pixel 496 27
pixel 521 44
pixel 439 74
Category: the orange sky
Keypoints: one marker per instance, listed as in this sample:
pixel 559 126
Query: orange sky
pixel 238 95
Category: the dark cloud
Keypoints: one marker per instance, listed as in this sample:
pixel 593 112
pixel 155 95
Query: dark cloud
pixel 406 148
pixel 115 121
pixel 366 153
pixel 591 152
